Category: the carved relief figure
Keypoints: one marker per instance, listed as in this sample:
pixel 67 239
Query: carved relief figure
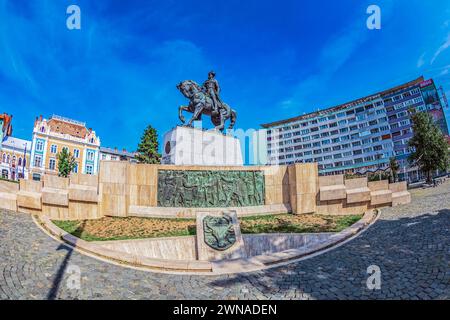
pixel 178 188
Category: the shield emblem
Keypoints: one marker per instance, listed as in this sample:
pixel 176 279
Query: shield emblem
pixel 219 232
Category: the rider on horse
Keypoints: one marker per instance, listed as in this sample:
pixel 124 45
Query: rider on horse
pixel 212 89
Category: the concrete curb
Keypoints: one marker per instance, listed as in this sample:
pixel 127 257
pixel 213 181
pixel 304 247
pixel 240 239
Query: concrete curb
pixel 205 267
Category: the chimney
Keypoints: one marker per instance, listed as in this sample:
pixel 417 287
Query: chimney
pixel 124 150
pixel 115 148
pixel 40 117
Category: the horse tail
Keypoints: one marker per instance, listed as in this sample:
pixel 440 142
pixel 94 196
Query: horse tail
pixel 233 116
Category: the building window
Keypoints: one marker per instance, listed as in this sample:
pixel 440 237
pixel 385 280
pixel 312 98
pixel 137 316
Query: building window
pixel 37 161
pixel 54 148
pixel 76 153
pixel 36 177
pixel 65 148
pixel 20 162
pixel 52 164
pixel 89 169
pixel 5 174
pixel 39 146
pixel 404 123
pixel 4 158
pixel 90 156
pixel 75 168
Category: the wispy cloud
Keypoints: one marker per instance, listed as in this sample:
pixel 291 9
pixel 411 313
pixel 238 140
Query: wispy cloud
pixel 421 60
pixel 441 49
pixel 332 57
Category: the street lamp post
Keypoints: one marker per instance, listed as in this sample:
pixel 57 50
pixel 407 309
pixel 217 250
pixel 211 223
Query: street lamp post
pixel 11 167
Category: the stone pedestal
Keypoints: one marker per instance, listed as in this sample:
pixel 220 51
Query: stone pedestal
pixel 207 252
pixel 192 146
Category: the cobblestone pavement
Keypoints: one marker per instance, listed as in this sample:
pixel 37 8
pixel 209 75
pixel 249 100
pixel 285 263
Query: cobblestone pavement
pixel 410 244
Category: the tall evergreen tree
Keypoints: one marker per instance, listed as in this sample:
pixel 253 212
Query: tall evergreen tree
pixel 66 163
pixel 148 147
pixel 430 146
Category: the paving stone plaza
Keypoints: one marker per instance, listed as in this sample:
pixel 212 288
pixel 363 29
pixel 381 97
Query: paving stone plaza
pixel 410 245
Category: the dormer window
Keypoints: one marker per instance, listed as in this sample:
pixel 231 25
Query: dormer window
pixel 42 129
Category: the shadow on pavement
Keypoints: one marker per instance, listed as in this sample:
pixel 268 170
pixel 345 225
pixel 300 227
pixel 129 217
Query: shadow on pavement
pixel 413 254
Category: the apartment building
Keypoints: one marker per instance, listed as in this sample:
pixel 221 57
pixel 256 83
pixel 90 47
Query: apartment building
pixel 357 137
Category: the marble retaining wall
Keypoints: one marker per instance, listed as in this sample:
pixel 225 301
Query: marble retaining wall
pixel 184 248
pixel 172 248
pixel 259 244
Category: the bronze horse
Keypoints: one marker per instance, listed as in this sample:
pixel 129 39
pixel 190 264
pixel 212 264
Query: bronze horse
pixel 200 103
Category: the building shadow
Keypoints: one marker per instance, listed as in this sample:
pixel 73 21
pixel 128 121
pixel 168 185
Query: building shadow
pixel 412 253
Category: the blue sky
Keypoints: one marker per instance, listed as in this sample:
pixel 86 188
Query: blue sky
pixel 273 59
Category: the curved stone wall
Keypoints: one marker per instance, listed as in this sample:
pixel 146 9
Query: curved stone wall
pixel 123 189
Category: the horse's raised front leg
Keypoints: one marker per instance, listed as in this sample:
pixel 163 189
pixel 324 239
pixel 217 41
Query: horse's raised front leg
pixel 180 113
pixel 198 110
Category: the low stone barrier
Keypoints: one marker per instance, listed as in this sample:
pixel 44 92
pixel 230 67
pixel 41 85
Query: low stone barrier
pixel 123 189
pixel 144 252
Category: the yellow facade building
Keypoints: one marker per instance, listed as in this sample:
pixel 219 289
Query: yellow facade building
pixel 53 135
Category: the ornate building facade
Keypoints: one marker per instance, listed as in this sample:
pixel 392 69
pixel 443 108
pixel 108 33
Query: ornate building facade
pixel 53 135
pixel 14 152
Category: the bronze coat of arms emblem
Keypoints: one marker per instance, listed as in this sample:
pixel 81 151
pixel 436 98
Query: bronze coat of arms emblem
pixel 219 232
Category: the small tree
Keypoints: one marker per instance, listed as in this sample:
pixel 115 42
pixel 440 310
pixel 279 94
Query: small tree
pixel 66 163
pixel 394 167
pixel 147 151
pixel 429 145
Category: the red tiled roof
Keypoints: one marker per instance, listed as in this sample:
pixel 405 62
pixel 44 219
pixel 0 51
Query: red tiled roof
pixel 67 128
pixel 7 126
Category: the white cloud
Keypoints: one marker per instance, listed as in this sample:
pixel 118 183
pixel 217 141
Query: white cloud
pixel 421 61
pixel 441 49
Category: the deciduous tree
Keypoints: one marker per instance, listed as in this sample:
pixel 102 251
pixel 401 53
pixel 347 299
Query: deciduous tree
pixel 66 163
pixel 429 145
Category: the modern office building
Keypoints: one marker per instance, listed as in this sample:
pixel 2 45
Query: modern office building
pixel 359 136
pixel 14 152
pixel 51 136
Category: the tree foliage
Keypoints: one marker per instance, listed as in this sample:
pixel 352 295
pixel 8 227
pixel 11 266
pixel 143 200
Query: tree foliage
pixel 147 151
pixel 66 163
pixel 430 148
pixel 394 167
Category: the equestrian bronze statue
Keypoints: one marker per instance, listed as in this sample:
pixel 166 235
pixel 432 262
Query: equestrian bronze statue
pixel 206 100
